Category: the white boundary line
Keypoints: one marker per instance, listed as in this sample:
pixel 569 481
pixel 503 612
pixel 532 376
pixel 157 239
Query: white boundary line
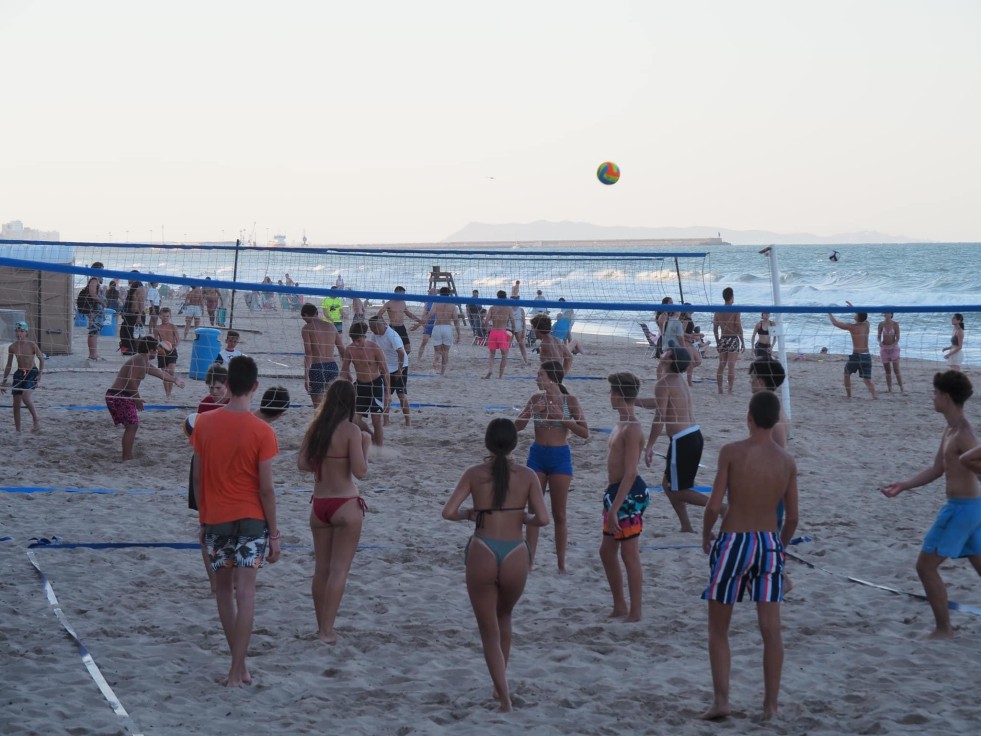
pixel 90 664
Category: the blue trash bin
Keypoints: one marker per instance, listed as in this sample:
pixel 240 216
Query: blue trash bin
pixel 109 326
pixel 203 353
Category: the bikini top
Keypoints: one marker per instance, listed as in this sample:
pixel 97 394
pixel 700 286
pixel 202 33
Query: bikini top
pixel 761 331
pixel 542 423
pixel 480 513
pixel 888 332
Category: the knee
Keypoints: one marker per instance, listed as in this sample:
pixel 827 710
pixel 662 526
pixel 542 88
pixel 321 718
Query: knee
pixel 558 517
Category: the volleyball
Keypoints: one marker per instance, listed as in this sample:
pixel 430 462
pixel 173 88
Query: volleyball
pixel 164 347
pixel 189 423
pixel 608 173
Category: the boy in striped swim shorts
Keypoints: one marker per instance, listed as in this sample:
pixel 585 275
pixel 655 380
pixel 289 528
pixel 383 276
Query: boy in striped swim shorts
pixel 757 474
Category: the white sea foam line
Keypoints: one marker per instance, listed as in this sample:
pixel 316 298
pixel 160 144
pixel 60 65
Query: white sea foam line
pixel 87 660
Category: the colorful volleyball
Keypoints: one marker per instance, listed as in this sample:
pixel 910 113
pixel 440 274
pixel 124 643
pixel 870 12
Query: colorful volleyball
pixel 189 423
pixel 164 347
pixel 608 173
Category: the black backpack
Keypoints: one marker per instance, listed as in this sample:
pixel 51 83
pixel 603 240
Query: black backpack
pixel 84 300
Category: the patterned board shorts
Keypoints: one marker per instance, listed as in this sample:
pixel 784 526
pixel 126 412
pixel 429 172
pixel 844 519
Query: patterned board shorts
pixel 239 543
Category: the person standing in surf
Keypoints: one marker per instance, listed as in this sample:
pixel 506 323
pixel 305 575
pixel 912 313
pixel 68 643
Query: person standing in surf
pixel 888 335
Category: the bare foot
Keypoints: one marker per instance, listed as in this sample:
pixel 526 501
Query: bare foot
pixel 716 712
pixel 36 427
pixel 328 637
pixel 505 707
pixel 939 634
pixel 632 618
pixel 618 613
pixel 487 376
pixel 687 529
pixel 769 711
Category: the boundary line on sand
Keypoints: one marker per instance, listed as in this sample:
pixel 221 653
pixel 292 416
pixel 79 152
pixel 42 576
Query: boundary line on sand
pixel 83 651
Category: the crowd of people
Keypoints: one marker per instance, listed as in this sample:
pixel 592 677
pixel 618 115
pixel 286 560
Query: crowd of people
pixel 351 383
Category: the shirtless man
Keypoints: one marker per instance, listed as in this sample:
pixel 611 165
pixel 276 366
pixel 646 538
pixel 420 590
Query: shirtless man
pixel 320 339
pixel 860 360
pixel 757 475
pixel 397 312
pixel 957 530
pixel 123 397
pixel 625 500
pixel 549 347
pixel 371 378
pixel 729 341
pixel 212 300
pixel 193 309
pixel 446 318
pixel 499 320
pixel 675 414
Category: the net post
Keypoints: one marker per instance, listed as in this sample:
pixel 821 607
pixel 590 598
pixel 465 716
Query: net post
pixel 771 253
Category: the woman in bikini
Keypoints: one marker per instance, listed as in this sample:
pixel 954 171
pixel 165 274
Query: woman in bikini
pixel 335 450
pixel 888 332
pixel 954 353
pixel 762 341
pixel 555 412
pixel 497 557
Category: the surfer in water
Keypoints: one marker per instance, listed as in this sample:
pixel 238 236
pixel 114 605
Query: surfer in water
pixel 833 257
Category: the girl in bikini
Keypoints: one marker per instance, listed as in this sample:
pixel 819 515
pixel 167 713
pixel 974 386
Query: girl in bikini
pixel 761 338
pixel 555 412
pixel 888 332
pixel 954 353
pixel 497 558
pixel 335 450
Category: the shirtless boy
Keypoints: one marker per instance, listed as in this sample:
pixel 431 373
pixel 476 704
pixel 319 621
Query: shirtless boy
pixel 957 529
pixel 397 312
pixel 371 378
pixel 729 341
pixel 193 309
pixel 675 414
pixel 549 347
pixel 27 377
pixel 757 474
pixel 624 501
pixel 320 339
pixel 233 485
pixel 860 360
pixel 499 320
pixel 446 318
pixel 167 361
pixel 123 397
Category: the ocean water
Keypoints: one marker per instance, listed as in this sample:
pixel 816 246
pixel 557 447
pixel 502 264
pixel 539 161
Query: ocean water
pixel 903 275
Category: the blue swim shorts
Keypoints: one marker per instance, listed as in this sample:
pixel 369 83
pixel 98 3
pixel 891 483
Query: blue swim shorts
pixel 320 374
pixel 957 530
pixel 550 460
pixel 24 381
pixel 860 363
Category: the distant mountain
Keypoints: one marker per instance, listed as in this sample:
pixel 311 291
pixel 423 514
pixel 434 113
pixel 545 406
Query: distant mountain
pixel 545 230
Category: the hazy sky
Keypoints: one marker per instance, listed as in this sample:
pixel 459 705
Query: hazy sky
pixel 383 121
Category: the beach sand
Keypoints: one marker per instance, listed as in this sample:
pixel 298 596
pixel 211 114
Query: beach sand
pixel 409 659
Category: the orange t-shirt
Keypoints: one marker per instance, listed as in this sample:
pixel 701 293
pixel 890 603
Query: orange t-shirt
pixel 230 445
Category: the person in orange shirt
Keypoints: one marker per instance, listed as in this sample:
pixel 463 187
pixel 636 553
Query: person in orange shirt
pixel 233 486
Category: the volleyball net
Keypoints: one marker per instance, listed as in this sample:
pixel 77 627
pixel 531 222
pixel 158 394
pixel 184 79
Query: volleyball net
pixel 601 295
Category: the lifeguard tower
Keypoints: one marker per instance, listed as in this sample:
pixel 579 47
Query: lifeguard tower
pixel 438 278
